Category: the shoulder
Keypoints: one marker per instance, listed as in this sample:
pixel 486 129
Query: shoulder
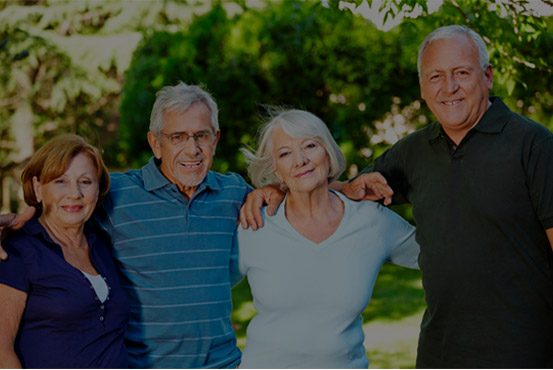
pixel 368 213
pixel 521 125
pixel 121 179
pixel 23 249
pixel 411 144
pixel 273 226
pixel 19 243
pixel 229 178
pixel 228 183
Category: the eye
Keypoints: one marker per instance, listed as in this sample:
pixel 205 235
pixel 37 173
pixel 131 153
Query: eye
pixel 434 78
pixel 310 145
pixel 177 137
pixel 86 181
pixel 462 73
pixel 283 154
pixel 59 181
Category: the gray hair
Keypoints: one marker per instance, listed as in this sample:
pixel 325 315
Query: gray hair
pixel 180 98
pixel 297 124
pixel 451 32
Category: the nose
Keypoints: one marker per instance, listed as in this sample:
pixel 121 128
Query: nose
pixel 300 158
pixel 451 84
pixel 190 145
pixel 75 190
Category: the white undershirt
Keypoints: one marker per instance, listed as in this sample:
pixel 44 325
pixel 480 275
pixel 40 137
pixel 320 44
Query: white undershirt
pixel 99 285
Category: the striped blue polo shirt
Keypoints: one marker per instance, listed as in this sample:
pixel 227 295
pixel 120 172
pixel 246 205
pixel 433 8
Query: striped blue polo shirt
pixel 178 261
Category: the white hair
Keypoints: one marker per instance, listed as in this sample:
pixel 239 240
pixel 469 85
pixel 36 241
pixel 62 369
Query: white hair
pixel 180 98
pixel 297 124
pixel 451 32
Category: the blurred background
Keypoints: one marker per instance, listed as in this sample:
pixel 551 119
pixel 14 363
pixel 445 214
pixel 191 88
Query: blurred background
pixel 93 68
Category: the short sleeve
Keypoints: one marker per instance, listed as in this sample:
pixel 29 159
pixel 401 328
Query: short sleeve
pixel 540 181
pixel 404 249
pixel 390 165
pixel 13 272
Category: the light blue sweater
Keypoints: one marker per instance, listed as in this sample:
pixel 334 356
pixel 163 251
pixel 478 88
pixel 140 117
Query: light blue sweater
pixel 310 297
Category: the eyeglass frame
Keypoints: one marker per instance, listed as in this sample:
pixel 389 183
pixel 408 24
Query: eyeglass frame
pixel 194 136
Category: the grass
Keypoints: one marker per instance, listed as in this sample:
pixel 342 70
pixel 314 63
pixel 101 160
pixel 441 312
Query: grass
pixel 391 319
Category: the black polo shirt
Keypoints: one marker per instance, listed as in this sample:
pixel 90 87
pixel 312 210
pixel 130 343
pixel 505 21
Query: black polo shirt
pixel 481 210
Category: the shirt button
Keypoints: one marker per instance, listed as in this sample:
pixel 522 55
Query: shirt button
pixel 102 307
pixel 101 318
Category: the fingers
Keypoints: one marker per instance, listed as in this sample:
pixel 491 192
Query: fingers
pixel 354 190
pixel 23 217
pixel 7 219
pixel 12 221
pixel 274 201
pixel 370 186
pixel 250 213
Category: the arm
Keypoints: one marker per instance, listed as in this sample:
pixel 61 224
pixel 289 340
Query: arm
pixel 12 221
pixel 12 305
pixel 250 213
pixel 235 274
pixel 550 236
pixel 367 186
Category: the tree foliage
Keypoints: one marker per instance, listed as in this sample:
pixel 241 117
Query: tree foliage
pixel 74 66
pixel 288 54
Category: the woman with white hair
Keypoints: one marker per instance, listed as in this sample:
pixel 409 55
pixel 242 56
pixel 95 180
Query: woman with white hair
pixel 312 267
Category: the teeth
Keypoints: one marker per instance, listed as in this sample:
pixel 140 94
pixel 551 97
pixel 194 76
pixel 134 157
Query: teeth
pixel 451 102
pixel 190 164
pixel 73 208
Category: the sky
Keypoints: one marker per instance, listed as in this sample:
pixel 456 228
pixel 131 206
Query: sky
pixel 377 17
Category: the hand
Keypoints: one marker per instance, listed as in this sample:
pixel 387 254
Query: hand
pixel 369 186
pixel 250 213
pixel 11 221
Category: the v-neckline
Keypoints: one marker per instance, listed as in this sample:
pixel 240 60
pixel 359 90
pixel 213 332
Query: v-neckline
pixel 281 214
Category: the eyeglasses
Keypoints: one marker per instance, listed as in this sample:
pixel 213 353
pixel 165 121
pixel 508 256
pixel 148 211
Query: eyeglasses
pixel 201 138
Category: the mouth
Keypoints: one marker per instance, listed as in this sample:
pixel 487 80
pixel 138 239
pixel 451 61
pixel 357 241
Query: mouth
pixel 452 103
pixel 72 209
pixel 304 174
pixel 190 165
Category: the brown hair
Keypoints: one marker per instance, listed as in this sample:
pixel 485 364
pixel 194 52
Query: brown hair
pixel 51 161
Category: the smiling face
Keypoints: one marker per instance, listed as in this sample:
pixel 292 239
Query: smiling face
pixel 301 164
pixel 454 85
pixel 69 200
pixel 185 164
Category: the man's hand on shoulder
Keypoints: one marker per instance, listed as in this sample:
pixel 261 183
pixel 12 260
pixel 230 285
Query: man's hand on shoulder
pixel 368 186
pixel 250 213
pixel 11 221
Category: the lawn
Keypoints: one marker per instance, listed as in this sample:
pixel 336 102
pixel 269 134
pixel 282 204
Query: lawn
pixel 391 318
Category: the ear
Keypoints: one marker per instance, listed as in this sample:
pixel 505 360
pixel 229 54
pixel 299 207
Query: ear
pixel 488 76
pixel 37 187
pixel 155 144
pixel 421 89
pixel 216 141
pixel 278 175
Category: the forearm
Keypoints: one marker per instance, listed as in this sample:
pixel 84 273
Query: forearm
pixel 8 359
pixel 550 236
pixel 337 185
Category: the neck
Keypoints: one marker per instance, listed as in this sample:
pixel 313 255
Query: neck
pixel 312 204
pixel 70 237
pixel 315 215
pixel 458 136
pixel 187 191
